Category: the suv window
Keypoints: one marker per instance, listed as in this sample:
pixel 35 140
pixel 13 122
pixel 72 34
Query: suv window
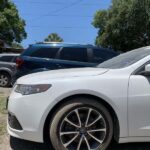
pixel 6 58
pixel 100 55
pixel 14 59
pixel 74 54
pixel 42 52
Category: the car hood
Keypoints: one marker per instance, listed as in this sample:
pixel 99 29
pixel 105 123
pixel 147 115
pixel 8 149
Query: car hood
pixel 62 73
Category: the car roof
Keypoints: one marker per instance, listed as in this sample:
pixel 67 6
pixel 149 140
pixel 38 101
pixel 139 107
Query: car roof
pixel 62 44
pixel 9 54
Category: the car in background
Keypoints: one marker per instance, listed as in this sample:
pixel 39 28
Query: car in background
pixel 7 68
pixel 50 56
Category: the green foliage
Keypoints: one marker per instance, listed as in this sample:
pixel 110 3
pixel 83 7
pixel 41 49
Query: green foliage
pixel 125 25
pixel 3 128
pixel 3 105
pixel 53 37
pixel 16 45
pixel 11 25
pixel 3 113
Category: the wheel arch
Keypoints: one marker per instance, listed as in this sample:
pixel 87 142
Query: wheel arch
pixel 99 100
pixel 6 71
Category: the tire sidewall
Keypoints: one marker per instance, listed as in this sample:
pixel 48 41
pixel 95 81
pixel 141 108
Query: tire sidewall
pixel 67 107
pixel 8 77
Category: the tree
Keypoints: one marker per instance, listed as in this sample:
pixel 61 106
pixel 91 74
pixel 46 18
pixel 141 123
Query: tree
pixel 11 25
pixel 16 45
pixel 53 37
pixel 125 25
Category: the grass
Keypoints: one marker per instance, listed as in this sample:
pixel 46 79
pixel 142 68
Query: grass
pixel 3 105
pixel 3 114
pixel 2 128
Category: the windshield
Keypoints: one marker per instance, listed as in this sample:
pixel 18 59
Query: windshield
pixel 126 59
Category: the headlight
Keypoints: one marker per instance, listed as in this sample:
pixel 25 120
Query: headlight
pixel 31 89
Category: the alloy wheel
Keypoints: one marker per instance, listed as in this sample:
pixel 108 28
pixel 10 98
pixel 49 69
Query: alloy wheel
pixel 83 128
pixel 3 80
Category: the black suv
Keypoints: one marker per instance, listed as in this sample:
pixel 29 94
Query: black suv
pixel 50 56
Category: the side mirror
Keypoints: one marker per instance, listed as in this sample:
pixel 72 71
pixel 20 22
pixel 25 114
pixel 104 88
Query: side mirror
pixel 147 68
pixel 146 71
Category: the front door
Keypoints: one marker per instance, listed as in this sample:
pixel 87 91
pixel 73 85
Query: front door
pixel 139 106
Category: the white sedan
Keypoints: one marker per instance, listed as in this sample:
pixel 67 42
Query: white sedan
pixel 84 109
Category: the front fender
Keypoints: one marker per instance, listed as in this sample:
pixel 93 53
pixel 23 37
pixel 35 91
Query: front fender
pixel 38 70
pixel 73 93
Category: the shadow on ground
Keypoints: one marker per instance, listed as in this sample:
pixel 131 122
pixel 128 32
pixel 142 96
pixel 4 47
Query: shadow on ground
pixel 17 144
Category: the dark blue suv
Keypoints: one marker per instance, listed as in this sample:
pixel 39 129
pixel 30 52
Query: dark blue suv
pixel 50 56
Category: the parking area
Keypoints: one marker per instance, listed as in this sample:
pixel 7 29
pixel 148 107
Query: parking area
pixel 4 92
pixel 7 143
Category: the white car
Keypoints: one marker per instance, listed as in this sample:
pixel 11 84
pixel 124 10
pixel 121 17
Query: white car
pixel 84 109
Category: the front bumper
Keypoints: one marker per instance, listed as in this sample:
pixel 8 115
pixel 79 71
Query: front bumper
pixel 28 116
pixel 25 135
pixel 13 122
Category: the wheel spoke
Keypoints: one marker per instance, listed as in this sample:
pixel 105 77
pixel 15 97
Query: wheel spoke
pixel 68 143
pixel 95 121
pixel 4 81
pixel 97 130
pixel 71 123
pixel 87 143
pixel 90 133
pixel 77 113
pixel 2 76
pixel 88 116
pixel 67 133
pixel 5 78
pixel 96 139
pixel 80 142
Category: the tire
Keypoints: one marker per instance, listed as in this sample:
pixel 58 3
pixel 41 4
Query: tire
pixel 82 112
pixel 5 79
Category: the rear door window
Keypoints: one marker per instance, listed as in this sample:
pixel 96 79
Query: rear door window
pixel 74 54
pixel 101 55
pixel 14 59
pixel 6 58
pixel 42 52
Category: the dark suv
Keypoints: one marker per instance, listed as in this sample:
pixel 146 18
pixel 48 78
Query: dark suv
pixel 50 56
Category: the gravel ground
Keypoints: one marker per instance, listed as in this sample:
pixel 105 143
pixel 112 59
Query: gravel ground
pixel 4 92
pixel 17 144
pixel 10 143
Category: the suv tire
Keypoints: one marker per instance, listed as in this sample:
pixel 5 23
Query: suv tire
pixel 5 79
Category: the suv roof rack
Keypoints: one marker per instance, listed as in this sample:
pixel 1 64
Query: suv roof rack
pixel 62 43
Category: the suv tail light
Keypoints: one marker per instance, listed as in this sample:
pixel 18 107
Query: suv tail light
pixel 19 62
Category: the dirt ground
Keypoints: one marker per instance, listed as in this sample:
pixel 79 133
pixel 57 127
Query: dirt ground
pixel 10 143
pixel 5 92
pixel 17 144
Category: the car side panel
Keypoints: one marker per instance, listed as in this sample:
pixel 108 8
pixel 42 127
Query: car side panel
pixel 52 63
pixel 139 106
pixel 32 64
pixel 117 98
pixel 8 67
pixel 101 86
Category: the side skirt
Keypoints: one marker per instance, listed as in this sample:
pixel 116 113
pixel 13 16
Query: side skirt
pixel 134 139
